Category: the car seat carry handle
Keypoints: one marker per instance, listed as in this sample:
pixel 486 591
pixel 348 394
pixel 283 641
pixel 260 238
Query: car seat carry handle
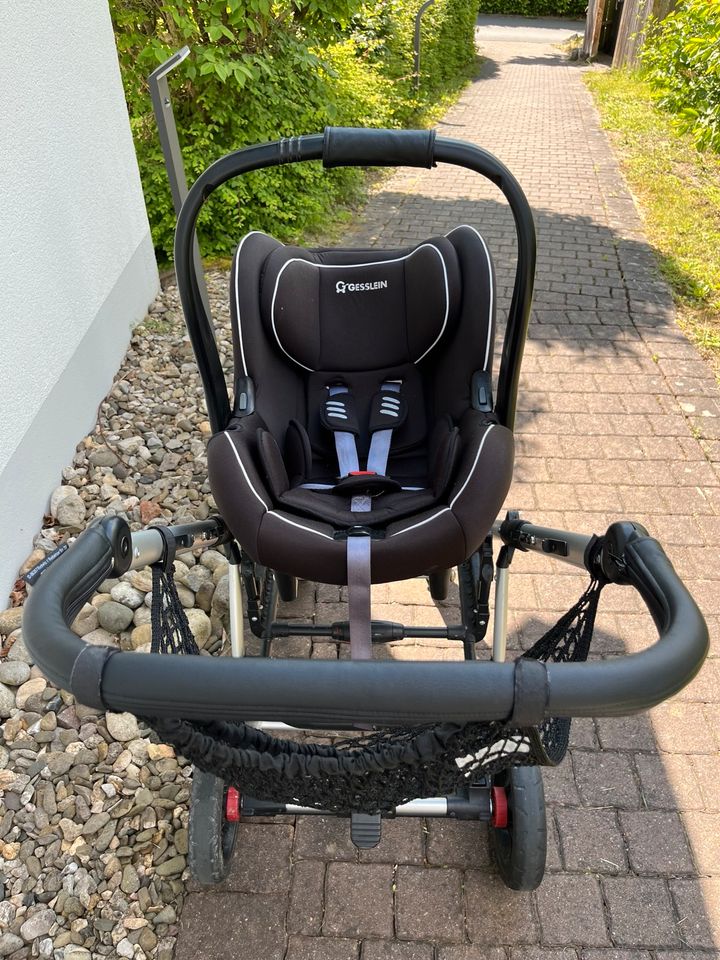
pixel 366 147
pixel 346 692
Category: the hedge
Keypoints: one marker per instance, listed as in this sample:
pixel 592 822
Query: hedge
pixel 681 58
pixel 535 8
pixel 261 70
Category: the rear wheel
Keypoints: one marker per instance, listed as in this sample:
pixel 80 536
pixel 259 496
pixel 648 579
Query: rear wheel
pixel 519 840
pixel 211 837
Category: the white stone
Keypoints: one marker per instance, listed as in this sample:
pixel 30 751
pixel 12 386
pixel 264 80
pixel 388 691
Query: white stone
pixel 123 727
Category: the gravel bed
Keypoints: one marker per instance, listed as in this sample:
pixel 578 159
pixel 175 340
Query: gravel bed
pixel 93 811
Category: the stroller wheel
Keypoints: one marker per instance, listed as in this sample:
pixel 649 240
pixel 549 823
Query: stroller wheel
pixel 212 835
pixel 518 831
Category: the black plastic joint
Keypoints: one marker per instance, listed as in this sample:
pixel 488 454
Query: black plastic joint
pixel 611 556
pixel 118 533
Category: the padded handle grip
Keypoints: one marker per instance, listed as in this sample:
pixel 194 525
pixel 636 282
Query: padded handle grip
pixel 365 147
pixel 345 692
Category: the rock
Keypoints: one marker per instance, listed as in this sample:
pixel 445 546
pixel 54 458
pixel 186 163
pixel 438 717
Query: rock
pixel 10 620
pixel 125 948
pixel 141 580
pixel 160 751
pixel 212 559
pixel 147 940
pixel 200 625
pixel 18 650
pixel 149 510
pixel 70 830
pixel 114 617
pixel 14 672
pixel 171 868
pixel 32 561
pixel 181 841
pixel 68 718
pixel 77 953
pixel 197 576
pixel 103 457
pixel 86 621
pixel 166 915
pixel 9 943
pixel 169 462
pixel 122 727
pixel 185 596
pixel 59 763
pixel 94 823
pixel 141 636
pixel 71 511
pixel 38 925
pixel 100 638
pixel 57 496
pixel 30 688
pixel 123 593
pixel 204 596
pixel 130 882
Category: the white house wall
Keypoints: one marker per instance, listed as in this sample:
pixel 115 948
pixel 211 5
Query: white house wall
pixel 78 269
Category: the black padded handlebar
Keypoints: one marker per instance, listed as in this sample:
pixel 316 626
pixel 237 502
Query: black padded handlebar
pixel 346 692
pixel 365 147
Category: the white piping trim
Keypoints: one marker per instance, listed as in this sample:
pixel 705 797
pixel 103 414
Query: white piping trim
pixel 490 284
pixel 300 526
pixel 272 309
pixel 472 469
pixel 352 266
pixel 422 522
pixel 244 471
pixel 447 303
pixel 237 296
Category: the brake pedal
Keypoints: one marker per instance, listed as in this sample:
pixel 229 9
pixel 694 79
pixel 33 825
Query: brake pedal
pixel 365 830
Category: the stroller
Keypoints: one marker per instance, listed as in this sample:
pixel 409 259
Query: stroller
pixel 366 442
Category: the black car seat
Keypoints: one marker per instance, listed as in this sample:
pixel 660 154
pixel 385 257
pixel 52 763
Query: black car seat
pixel 363 406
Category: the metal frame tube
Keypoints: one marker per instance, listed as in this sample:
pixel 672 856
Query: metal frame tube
pixel 428 807
pixel 170 144
pixel 237 632
pixel 500 617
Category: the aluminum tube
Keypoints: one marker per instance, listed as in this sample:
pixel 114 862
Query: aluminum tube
pixel 237 633
pixel 429 807
pixel 501 615
pixel 147 548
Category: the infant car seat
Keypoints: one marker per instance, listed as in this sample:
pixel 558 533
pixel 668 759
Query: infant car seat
pixel 363 405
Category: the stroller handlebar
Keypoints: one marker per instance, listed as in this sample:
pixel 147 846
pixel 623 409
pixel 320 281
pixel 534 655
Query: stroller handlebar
pixel 324 692
pixel 364 146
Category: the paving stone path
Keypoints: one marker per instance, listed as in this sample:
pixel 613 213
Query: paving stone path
pixel 618 417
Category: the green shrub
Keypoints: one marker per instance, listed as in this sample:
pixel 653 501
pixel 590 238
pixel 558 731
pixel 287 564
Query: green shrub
pixel 681 58
pixel 535 8
pixel 260 70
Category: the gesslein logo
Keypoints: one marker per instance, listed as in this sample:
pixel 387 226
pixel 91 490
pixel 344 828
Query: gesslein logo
pixel 342 287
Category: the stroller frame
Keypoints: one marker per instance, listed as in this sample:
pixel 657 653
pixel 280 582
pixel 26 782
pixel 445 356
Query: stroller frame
pixel 339 694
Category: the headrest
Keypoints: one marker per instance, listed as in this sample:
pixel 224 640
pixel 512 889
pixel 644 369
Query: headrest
pixel 349 310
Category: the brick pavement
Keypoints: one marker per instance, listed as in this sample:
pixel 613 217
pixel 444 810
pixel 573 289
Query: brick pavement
pixel 618 417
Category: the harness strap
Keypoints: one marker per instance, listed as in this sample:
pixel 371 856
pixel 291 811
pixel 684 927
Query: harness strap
pixel 359 579
pixel 339 412
pixel 389 409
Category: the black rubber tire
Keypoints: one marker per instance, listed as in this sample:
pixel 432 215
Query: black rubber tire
pixel 211 838
pixel 520 849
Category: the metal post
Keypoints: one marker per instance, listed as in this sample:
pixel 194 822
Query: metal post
pixel 418 18
pixel 165 118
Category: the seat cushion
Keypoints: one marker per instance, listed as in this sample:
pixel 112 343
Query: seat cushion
pixel 288 539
